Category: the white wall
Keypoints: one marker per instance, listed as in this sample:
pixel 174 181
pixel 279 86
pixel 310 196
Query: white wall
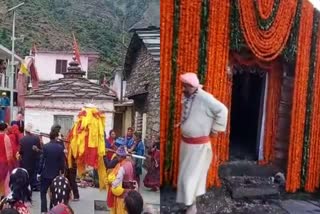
pixel 41 113
pixel 46 65
pixel 116 86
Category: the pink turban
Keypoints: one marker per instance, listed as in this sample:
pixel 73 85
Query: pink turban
pixel 191 79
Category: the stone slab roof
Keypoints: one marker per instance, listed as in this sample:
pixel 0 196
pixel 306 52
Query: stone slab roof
pixel 151 39
pixel 74 88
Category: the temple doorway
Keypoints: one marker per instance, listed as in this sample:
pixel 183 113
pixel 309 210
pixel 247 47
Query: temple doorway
pixel 247 112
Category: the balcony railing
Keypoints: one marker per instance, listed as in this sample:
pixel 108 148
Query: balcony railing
pixel 4 82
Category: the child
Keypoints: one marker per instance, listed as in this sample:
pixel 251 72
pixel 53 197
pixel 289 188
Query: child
pixel 60 191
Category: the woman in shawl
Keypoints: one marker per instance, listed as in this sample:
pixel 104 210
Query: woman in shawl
pixel 152 178
pixel 15 136
pixel 6 160
pixel 110 143
pixel 138 148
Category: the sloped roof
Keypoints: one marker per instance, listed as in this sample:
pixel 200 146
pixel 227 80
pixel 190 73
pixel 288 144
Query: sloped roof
pixel 148 37
pixel 74 88
pixel 151 39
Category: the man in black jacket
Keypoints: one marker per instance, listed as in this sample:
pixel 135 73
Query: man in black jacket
pixel 30 155
pixel 52 164
pixel 19 122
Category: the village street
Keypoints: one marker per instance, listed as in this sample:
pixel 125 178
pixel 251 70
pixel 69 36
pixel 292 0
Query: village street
pixel 93 201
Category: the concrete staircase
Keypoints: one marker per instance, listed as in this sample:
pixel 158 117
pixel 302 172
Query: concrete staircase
pixel 248 180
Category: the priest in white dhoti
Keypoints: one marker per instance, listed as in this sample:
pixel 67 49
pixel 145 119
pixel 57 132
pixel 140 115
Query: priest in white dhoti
pixel 203 115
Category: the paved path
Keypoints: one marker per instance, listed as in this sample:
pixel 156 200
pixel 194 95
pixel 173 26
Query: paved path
pixel 301 207
pixel 88 196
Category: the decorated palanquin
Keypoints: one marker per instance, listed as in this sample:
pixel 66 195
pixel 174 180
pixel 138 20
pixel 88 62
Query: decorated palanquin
pixel 87 143
pixel 207 37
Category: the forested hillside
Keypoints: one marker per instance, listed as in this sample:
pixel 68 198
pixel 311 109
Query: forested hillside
pixel 99 25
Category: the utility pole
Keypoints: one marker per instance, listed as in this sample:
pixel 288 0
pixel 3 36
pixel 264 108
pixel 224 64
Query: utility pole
pixel 11 76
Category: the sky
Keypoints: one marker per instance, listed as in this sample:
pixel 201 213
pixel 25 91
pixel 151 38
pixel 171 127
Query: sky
pixel 316 3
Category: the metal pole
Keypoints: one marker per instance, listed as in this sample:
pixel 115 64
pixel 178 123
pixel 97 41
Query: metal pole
pixel 11 76
pixel 12 72
pixel 121 90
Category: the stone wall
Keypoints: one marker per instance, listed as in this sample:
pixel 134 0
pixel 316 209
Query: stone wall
pixel 145 75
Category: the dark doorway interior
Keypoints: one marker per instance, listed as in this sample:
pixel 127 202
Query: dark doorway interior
pixel 246 115
pixel 117 126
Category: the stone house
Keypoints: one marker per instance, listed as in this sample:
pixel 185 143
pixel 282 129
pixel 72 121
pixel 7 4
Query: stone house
pixel 142 76
pixel 60 101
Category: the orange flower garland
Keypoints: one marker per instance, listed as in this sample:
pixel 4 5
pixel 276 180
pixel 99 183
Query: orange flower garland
pixel 267 44
pixel 299 98
pixel 166 40
pixel 189 36
pixel 217 81
pixel 265 8
pixel 312 182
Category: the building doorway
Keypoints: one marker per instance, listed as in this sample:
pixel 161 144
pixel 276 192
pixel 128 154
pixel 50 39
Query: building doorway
pixel 247 111
pixel 118 124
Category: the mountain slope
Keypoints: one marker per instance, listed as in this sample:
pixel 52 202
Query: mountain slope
pixel 101 25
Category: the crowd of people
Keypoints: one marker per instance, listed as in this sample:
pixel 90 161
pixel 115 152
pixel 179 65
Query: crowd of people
pixel 27 165
pixel 124 173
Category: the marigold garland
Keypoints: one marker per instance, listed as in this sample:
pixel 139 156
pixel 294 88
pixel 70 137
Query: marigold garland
pixel 188 60
pixel 217 81
pixel 266 13
pixel 166 42
pixel 267 44
pixel 203 41
pixel 265 25
pixel 309 100
pixel 312 172
pixel 299 99
pixel 266 7
pixel 173 74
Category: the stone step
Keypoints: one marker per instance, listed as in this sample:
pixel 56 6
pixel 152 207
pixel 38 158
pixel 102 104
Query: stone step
pixel 246 168
pixel 250 187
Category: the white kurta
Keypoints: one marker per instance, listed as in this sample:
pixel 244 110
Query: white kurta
pixel 207 115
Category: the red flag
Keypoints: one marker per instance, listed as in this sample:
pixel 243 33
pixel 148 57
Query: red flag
pixel 76 49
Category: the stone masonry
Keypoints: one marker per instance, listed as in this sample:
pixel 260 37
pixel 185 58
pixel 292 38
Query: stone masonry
pixel 145 77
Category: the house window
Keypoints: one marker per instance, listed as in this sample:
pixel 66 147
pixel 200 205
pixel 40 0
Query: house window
pixel 65 121
pixel 61 66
